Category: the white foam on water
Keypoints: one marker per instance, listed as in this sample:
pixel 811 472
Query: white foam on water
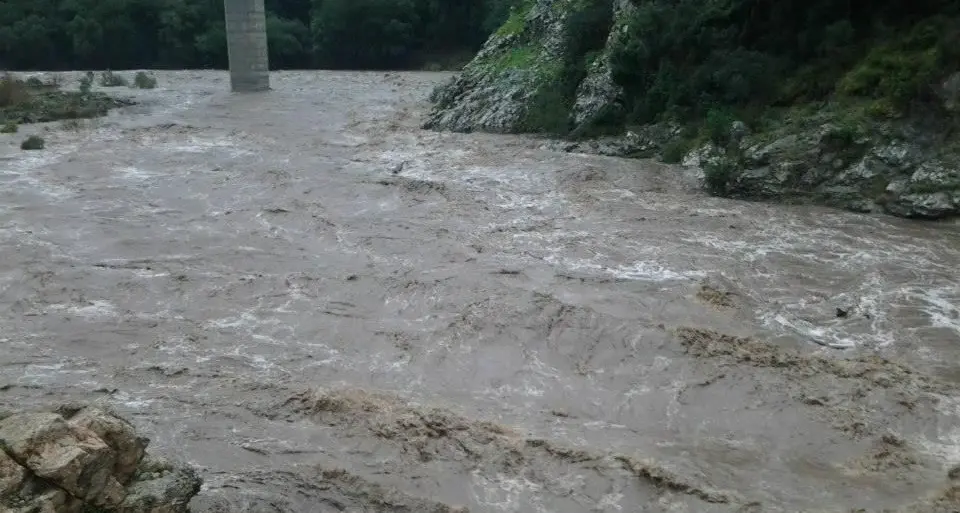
pixel 25 171
pixel 942 305
pixel 98 309
pixel 132 402
pixel 505 493
pixel 135 173
pixel 946 445
pixel 610 501
pixel 637 271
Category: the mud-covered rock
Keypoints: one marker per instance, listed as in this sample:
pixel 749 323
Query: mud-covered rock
pixel 79 459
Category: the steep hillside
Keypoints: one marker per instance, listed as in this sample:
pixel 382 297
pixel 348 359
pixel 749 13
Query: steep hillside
pixel 853 104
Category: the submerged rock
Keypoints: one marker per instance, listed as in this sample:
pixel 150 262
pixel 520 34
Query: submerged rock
pixel 84 459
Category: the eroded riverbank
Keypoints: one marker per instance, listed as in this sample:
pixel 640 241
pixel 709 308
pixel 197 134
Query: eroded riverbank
pixel 325 308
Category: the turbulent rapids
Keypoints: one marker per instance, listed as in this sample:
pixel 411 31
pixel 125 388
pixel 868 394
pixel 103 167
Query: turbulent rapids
pixel 322 307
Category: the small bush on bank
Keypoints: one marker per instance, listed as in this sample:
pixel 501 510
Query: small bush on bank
pixel 142 80
pixel 111 79
pixel 34 142
pixel 718 175
pixel 9 127
pixel 86 82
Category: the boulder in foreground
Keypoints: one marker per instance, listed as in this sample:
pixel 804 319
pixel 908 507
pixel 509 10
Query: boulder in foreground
pixel 85 459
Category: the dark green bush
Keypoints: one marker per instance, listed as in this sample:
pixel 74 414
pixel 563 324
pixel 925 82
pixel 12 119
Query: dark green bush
pixel 143 80
pixel 680 58
pixel 674 151
pixel 86 83
pixel 717 126
pixel 111 79
pixel 34 142
pixel 719 173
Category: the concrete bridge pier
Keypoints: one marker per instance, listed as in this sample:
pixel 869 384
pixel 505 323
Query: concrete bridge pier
pixel 247 45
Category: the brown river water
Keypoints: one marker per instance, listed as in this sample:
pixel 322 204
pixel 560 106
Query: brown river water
pixel 324 308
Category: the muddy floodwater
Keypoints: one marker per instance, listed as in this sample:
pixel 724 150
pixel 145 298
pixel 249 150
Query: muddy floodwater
pixel 324 308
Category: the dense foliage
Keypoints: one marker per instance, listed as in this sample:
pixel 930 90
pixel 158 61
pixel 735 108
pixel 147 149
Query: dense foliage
pixel 120 34
pixel 682 58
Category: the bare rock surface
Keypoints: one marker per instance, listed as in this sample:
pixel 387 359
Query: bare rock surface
pixel 76 459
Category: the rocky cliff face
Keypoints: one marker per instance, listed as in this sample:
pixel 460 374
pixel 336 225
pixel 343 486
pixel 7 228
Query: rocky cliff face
pixel 84 461
pixel 545 70
pixel 548 69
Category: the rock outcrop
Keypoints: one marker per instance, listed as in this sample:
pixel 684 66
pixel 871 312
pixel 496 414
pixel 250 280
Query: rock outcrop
pixel 78 460
pixel 864 167
pixel 544 70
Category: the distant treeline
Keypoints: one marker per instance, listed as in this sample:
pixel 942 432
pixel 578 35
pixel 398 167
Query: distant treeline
pixel 339 34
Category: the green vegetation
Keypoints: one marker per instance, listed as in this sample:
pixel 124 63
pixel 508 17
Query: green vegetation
pixel 137 34
pixel 34 142
pixel 86 82
pixel 719 174
pixel 142 80
pixel 9 128
pixel 32 101
pixel 111 79
pixel 674 151
pixel 683 59
pixel 41 107
pixel 517 19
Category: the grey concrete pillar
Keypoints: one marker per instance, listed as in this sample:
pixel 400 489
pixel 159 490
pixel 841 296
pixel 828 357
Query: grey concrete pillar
pixel 247 45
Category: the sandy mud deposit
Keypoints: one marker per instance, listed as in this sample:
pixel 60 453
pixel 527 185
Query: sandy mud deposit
pixel 323 308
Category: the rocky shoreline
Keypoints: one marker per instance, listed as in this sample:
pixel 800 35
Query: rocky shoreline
pixel 540 74
pixel 86 460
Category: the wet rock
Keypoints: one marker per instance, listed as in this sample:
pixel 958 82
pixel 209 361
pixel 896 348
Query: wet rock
pixel 165 489
pixel 646 142
pixel 78 459
pixel 864 169
pixel 52 500
pixel 12 476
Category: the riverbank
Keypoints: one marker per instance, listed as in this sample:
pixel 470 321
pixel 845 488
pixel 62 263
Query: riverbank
pixel 873 127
